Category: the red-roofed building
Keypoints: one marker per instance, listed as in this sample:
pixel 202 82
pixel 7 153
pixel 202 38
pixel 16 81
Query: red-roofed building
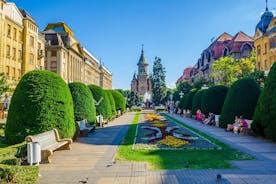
pixel 185 76
pixel 238 46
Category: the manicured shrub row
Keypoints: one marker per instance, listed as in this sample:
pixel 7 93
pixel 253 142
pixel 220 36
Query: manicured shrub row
pixel 264 121
pixel 103 106
pixel 188 99
pixel 112 103
pixel 241 100
pixel 213 99
pixel 197 101
pixel 84 107
pixel 119 99
pixel 41 101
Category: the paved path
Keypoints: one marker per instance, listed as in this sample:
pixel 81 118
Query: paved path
pixel 91 160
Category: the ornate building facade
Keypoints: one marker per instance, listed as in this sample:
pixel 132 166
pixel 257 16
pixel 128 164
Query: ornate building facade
pixel 237 46
pixel 22 46
pixel 66 57
pixel 265 41
pixel 141 82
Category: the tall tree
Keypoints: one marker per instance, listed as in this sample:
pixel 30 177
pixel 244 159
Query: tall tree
pixel 158 81
pixel 133 99
pixel 227 70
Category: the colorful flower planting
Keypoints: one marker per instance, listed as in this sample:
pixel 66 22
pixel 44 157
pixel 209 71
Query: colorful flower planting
pixel 159 133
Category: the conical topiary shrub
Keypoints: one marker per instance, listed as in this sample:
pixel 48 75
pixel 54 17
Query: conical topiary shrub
pixel 119 99
pixel 213 99
pixel 112 103
pixel 102 103
pixel 264 121
pixel 41 101
pixel 84 107
pixel 188 100
pixel 197 100
pixel 241 99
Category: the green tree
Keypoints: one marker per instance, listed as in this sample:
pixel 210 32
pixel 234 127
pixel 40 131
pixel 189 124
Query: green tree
pixel 241 99
pixel 197 101
pixel 200 82
pixel 264 120
pixel 227 70
pixel 188 99
pixel 183 87
pixel 119 99
pixel 4 87
pixel 112 103
pixel 133 99
pixel 158 81
pixel 41 101
pixel 84 107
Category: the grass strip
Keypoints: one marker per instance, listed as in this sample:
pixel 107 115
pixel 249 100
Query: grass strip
pixel 169 159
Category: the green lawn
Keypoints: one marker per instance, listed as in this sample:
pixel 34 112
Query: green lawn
pixel 23 174
pixel 166 159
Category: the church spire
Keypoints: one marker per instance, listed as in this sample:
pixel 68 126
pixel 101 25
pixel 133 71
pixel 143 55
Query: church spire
pixel 142 60
pixel 266 6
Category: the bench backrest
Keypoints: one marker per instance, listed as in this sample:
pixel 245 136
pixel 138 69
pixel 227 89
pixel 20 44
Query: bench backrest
pixel 82 124
pixel 99 118
pixel 45 139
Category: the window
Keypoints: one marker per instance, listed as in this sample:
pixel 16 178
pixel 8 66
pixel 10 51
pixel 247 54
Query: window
pixel 53 53
pixel 258 50
pixel 265 64
pixel 39 45
pixel 265 48
pixel 2 6
pixel 8 51
pixel 14 34
pixel 19 73
pixel 20 36
pixel 31 41
pixel 8 71
pixel 31 59
pixel 9 31
pixel 13 53
pixel 19 55
pixel 13 73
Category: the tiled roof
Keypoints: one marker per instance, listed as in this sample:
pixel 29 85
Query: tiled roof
pixel 237 42
pixel 224 37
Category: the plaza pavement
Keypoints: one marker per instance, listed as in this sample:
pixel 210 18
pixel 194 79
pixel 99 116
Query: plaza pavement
pixel 91 160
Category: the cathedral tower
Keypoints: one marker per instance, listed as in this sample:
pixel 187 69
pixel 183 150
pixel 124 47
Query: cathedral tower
pixel 141 82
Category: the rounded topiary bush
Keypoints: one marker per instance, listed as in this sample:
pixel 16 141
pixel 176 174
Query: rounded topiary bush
pixel 112 103
pixel 41 101
pixel 264 120
pixel 241 99
pixel 197 101
pixel 182 102
pixel 213 99
pixel 84 107
pixel 188 101
pixel 102 103
pixel 119 99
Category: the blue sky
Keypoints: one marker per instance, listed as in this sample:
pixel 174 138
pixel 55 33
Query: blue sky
pixel 174 30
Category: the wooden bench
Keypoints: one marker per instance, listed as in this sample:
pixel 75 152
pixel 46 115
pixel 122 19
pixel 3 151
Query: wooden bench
pixel 50 142
pixel 99 119
pixel 84 128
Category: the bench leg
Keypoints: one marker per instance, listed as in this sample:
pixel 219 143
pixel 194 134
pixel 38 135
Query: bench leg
pixel 45 156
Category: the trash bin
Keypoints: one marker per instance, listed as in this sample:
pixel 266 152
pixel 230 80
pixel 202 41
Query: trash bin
pixel 33 153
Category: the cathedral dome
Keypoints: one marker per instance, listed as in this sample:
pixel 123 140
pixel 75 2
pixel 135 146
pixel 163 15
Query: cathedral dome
pixel 266 18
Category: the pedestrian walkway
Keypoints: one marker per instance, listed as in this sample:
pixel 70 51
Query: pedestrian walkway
pixel 91 160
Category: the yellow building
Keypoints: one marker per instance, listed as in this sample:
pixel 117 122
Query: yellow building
pixel 91 69
pixel 11 41
pixel 66 57
pixel 21 45
pixel 265 41
pixel 33 44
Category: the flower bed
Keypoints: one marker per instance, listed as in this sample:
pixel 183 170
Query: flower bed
pixel 159 133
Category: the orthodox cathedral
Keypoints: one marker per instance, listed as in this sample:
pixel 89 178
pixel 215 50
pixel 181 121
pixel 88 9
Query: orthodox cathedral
pixel 141 82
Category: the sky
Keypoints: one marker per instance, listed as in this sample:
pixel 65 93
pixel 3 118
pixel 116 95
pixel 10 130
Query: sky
pixel 177 31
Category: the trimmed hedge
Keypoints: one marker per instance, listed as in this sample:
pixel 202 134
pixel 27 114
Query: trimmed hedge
pixel 84 107
pixel 241 99
pixel 119 99
pixel 188 101
pixel 41 101
pixel 264 121
pixel 213 99
pixel 112 103
pixel 197 100
pixel 104 107
pixel 182 101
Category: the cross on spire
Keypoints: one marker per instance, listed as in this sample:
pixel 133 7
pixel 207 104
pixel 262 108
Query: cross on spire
pixel 142 48
pixel 266 7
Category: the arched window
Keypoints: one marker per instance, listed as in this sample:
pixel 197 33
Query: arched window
pixel 225 52
pixel 246 50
